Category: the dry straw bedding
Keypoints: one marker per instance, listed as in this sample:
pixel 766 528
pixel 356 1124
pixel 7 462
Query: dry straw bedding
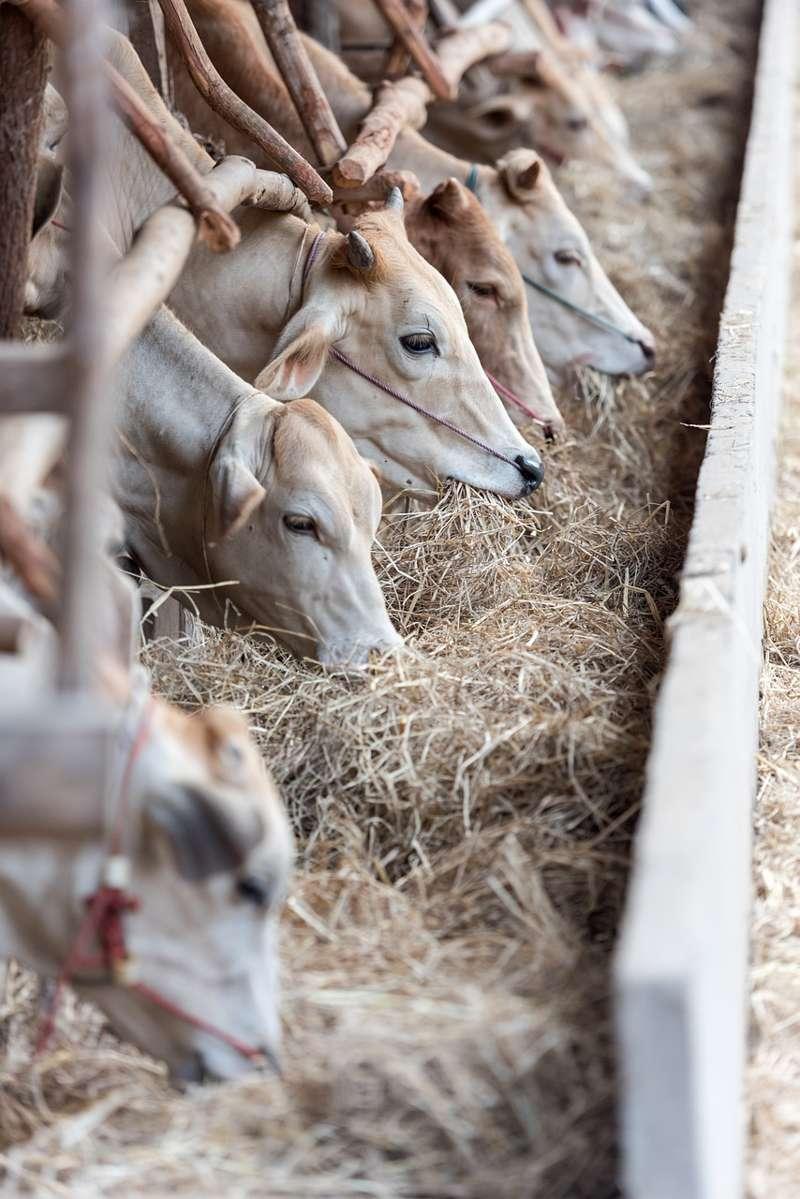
pixel 465 812
pixel 774 1076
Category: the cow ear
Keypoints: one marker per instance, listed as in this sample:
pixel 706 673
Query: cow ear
pixel 49 189
pixel 296 369
pixel 520 173
pixel 206 833
pixel 235 494
pixel 448 201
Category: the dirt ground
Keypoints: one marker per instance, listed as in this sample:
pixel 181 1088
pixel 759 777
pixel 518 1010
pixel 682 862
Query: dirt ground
pixel 465 816
pixel 774 1074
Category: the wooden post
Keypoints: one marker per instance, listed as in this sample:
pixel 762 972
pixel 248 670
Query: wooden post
pixel 223 99
pixel 92 414
pixel 399 59
pixel 312 106
pixel 397 106
pixel 23 66
pixel 402 22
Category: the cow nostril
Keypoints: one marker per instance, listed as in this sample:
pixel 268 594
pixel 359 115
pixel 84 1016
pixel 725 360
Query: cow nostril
pixel 649 351
pixel 531 470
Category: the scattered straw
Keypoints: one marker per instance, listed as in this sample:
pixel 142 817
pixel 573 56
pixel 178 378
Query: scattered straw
pixel 465 811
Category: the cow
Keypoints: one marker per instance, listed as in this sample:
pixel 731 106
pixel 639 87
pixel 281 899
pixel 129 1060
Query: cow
pixel 370 297
pixel 205 841
pixel 219 483
pixel 452 231
pixel 560 105
pixel 544 237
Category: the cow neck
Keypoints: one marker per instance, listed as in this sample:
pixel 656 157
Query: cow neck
pixel 429 163
pixel 172 442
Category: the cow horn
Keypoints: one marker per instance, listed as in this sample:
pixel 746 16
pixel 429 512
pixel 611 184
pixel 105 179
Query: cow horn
pixel 360 254
pixel 394 200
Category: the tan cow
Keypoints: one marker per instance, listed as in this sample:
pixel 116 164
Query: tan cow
pixel 220 483
pixel 211 853
pixel 544 237
pixel 200 819
pixel 370 297
pixel 453 232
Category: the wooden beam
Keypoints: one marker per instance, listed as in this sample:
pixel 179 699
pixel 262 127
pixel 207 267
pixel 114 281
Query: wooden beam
pixel 399 59
pixel 397 106
pixel 87 382
pixel 463 48
pixel 32 377
pixel 223 100
pixel 681 968
pixel 316 114
pixel 396 15
pixel 23 70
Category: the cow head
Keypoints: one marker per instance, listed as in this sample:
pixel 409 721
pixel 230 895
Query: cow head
pixel 452 231
pixel 293 512
pixel 211 851
pixel 549 246
pixel 373 297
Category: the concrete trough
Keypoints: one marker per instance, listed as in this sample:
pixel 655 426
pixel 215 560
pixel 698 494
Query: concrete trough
pixel 681 963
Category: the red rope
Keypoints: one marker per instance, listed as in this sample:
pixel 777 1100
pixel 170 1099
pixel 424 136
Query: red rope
pixel 439 420
pixel 509 395
pixel 104 925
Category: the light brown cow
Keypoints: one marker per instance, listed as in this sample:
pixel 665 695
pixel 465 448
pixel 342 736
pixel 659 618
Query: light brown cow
pixel 370 297
pixel 201 822
pixel 220 483
pixel 453 231
pixel 544 237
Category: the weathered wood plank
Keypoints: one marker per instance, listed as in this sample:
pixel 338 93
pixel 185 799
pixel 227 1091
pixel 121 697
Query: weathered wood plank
pixel 681 966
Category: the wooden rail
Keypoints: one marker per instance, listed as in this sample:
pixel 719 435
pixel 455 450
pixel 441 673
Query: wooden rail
pixel 681 965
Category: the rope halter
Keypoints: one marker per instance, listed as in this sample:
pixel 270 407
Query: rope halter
pixel 593 318
pixel 531 474
pixel 103 924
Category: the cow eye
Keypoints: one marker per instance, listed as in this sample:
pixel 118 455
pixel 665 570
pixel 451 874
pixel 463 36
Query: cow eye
pixel 487 291
pixel 419 343
pixel 254 890
pixel 577 124
pixel 304 525
pixel 568 257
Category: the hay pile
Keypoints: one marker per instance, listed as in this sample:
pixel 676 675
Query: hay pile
pixel 774 1077
pixel 465 812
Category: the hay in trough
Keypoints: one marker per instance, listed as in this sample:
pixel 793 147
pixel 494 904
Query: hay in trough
pixel 465 811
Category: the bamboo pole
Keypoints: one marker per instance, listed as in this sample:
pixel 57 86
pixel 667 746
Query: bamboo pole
pixel 223 100
pixel 316 114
